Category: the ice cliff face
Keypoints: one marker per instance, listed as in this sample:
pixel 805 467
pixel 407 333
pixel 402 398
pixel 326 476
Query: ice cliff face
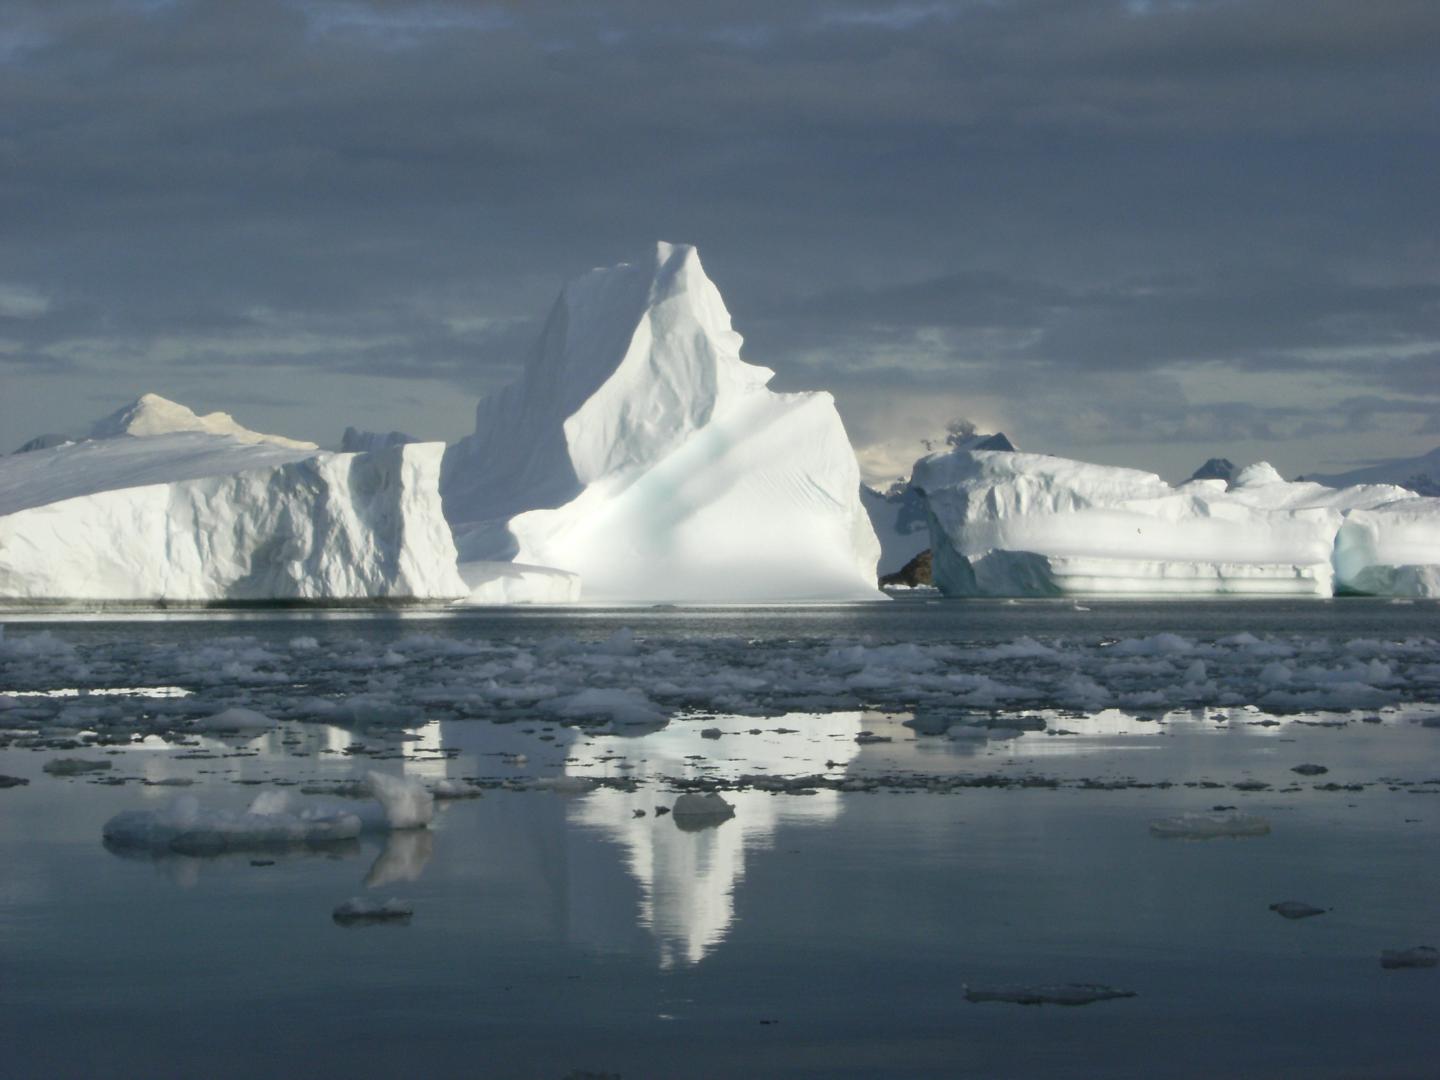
pixel 1012 524
pixel 192 516
pixel 641 453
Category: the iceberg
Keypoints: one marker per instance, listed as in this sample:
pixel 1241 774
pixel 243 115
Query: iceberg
pixel 1016 524
pixel 1419 474
pixel 152 507
pixel 641 454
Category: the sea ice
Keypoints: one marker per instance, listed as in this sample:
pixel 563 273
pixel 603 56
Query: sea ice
pixel 639 452
pixel 234 720
pixel 1208 826
pixel 700 810
pixel 1295 909
pixel 1421 956
pixel 274 820
pixel 1057 994
pixel 359 910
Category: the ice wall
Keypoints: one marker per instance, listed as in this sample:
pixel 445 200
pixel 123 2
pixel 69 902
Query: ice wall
pixel 1013 524
pixel 195 517
pixel 640 452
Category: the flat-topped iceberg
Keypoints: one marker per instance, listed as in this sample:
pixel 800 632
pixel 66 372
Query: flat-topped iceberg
pixel 1015 524
pixel 138 512
pixel 640 453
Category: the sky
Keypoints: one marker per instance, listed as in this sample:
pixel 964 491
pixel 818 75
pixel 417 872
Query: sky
pixel 1141 233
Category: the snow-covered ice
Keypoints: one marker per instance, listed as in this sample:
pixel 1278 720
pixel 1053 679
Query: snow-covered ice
pixel 1016 524
pixel 639 452
pixel 200 512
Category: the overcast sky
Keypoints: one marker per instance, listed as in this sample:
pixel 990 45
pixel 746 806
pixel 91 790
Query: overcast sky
pixel 1134 232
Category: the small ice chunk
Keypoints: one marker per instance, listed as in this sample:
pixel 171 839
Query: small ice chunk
pixel 567 785
pixel 12 781
pixel 1207 826
pixel 1421 956
pixel 360 910
pixel 274 820
pixel 694 810
pixel 74 766
pixel 454 789
pixel 1310 770
pixel 1295 909
pixel 1058 994
pixel 408 803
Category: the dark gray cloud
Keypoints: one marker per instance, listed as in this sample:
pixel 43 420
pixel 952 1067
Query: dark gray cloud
pixel 1143 230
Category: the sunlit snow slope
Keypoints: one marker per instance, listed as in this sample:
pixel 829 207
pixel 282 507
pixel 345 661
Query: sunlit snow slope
pixel 1013 524
pixel 190 516
pixel 640 452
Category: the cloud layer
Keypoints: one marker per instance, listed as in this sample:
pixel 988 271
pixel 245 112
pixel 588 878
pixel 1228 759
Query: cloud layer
pixel 1142 232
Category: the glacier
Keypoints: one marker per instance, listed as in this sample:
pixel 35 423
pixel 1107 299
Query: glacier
pixel 1018 524
pixel 160 505
pixel 641 454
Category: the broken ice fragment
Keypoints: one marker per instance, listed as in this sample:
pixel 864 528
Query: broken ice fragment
pixel 1200 826
pixel 1421 956
pixel 694 811
pixel 359 911
pixel 1058 994
pixel 1295 909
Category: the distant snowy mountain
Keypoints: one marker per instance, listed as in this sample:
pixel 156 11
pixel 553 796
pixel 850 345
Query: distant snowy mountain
pixel 1010 524
pixel 151 414
pixel 200 509
pixel 641 453
pixel 1419 474
pixel 355 441
pixel 1217 468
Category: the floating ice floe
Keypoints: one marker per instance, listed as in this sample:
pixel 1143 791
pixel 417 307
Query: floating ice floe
pixel 1421 956
pixel 693 811
pixel 639 452
pixel 1211 825
pixel 1296 909
pixel 75 766
pixel 167 506
pixel 359 910
pixel 235 720
pixel 1014 524
pixel 275 819
pixel 1057 994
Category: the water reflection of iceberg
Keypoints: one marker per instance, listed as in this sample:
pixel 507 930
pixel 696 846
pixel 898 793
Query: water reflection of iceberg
pixel 688 878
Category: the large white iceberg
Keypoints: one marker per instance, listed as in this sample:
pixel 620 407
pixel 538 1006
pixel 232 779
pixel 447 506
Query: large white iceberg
pixel 639 452
pixel 1014 524
pixel 141 512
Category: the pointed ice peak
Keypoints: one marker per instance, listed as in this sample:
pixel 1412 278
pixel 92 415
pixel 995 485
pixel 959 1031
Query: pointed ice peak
pixel 1257 475
pixel 151 414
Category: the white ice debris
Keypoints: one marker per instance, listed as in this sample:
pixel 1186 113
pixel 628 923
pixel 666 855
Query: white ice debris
pixel 192 515
pixel 1210 825
pixel 622 707
pixel 1015 524
pixel 408 803
pixel 1057 994
pixel 640 452
pixel 361 909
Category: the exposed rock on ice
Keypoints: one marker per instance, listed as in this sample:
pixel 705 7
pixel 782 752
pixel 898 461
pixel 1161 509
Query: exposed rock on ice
pixel 199 516
pixel 898 517
pixel 1421 956
pixel 1209 826
pixel 359 910
pixel 1217 468
pixel 1296 909
pixel 1059 994
pixel 1013 524
pixel 641 453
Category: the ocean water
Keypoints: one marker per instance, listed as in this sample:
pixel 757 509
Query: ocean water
pixel 874 869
